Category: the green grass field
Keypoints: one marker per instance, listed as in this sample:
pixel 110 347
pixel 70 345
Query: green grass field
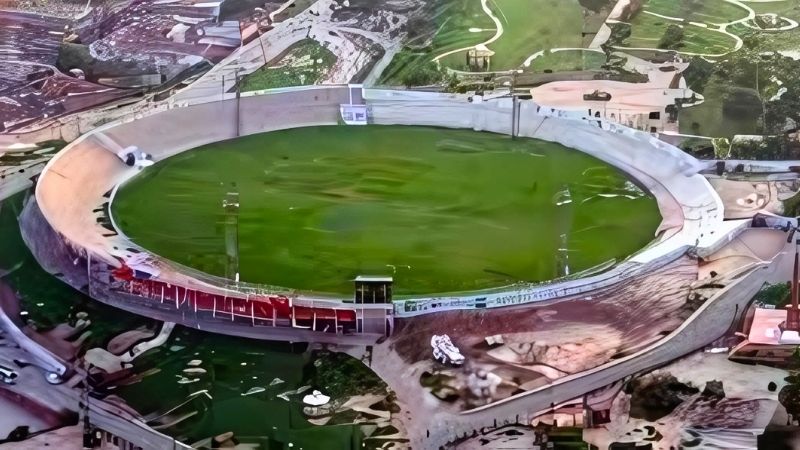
pixel 703 11
pixel 440 210
pixel 647 30
pixel 305 62
pixel 568 60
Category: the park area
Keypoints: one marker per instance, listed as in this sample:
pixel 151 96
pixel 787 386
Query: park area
pixel 454 26
pixel 696 27
pixel 784 41
pixel 713 12
pixel 752 90
pixel 439 210
pixel 648 31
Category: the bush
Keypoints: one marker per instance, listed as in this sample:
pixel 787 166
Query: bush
pixel 424 75
pixel 773 294
pixel 341 376
pixel 770 148
pixel 742 103
pixel 619 32
pixel 791 207
pixel 74 56
pixel 672 38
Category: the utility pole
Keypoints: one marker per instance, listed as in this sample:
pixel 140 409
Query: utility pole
pixel 260 41
pixel 88 431
pixel 263 51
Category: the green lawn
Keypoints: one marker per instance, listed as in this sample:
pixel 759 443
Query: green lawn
pixel 305 62
pixel 703 11
pixel 647 30
pixel 534 25
pixel 777 41
pixel 529 26
pixel 568 60
pixel 455 18
pixel 440 210
pixel 784 8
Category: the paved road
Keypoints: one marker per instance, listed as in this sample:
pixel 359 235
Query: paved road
pixel 11 325
pixel 32 385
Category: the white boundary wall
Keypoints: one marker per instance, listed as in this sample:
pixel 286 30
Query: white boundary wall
pixel 74 182
pixel 691 209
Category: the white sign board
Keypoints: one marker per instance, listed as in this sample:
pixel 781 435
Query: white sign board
pixel 354 114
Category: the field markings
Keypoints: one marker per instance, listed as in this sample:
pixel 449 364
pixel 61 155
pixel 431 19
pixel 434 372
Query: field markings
pixel 496 5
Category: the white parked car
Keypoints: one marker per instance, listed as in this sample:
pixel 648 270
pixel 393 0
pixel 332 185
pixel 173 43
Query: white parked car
pixel 8 376
pixel 445 352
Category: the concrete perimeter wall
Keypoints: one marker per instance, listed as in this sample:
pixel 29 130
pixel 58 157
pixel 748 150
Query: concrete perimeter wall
pixel 74 189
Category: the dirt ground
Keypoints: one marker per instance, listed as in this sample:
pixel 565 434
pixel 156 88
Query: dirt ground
pixel 624 315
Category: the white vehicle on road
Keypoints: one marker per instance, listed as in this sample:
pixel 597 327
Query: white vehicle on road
pixel 445 352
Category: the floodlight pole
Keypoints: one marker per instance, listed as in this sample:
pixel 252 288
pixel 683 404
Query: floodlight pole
pixel 238 101
pixel 564 256
pixel 231 223
pixel 514 105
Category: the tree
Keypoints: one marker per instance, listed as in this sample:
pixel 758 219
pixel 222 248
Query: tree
pixel 698 73
pixel 424 75
pixel 783 113
pixel 619 32
pixel 672 38
pixel 773 294
pixel 741 103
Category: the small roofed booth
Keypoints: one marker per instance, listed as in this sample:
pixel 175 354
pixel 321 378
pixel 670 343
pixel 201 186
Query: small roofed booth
pixel 370 289
pixel 479 58
pixel 374 294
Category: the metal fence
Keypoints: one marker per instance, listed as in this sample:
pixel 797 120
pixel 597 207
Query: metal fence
pixel 241 308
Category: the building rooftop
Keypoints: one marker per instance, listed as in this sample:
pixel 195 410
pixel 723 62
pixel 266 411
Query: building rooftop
pixel 765 328
pixel 373 279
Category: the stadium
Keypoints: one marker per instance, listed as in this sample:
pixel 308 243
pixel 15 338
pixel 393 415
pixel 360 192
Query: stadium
pixel 79 201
